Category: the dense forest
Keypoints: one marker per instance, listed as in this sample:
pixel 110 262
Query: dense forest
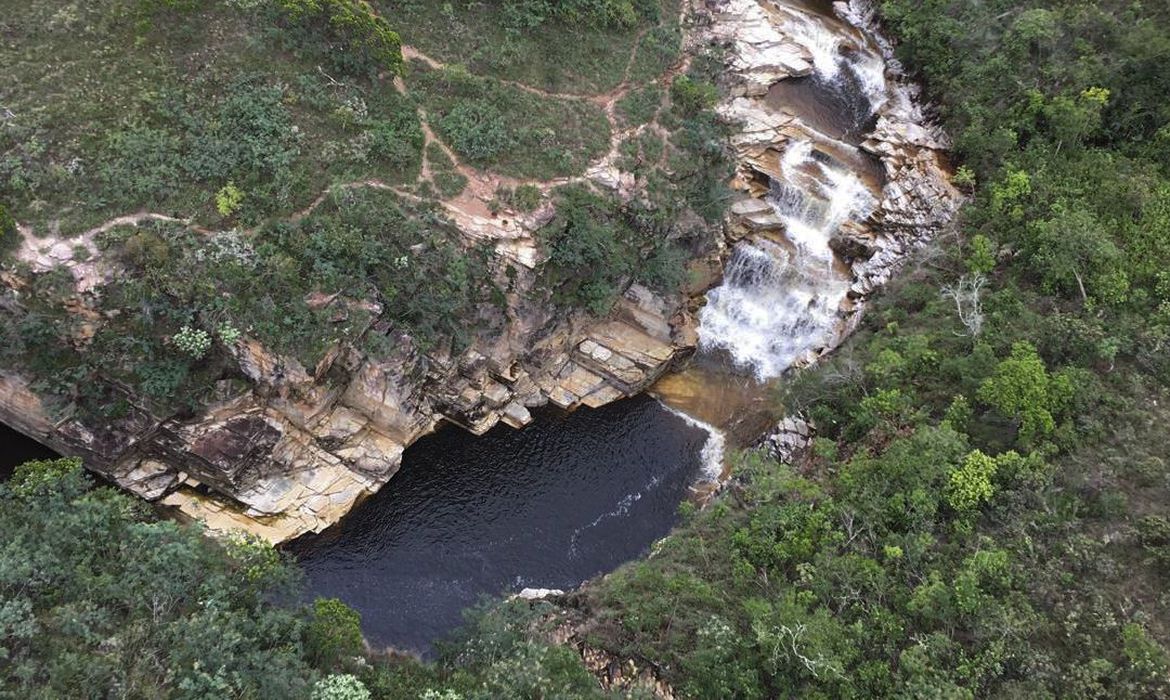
pixel 983 512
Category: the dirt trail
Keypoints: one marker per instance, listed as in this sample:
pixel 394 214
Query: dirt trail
pixel 473 203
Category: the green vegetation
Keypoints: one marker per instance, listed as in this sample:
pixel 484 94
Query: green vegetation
pixel 276 137
pixel 1011 544
pixel 197 101
pixel 640 106
pixel 581 46
pixel 983 512
pixel 99 598
pixel 363 266
pixel 597 245
pixel 525 198
pixel 447 179
pixel 504 128
pixel 9 236
pixel 356 38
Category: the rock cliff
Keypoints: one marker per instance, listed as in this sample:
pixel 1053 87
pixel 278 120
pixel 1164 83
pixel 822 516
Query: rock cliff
pixel 297 447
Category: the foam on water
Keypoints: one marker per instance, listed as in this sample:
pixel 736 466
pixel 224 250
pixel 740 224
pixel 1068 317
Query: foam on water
pixel 870 70
pixel 713 450
pixel 773 308
pixel 821 42
pixel 764 316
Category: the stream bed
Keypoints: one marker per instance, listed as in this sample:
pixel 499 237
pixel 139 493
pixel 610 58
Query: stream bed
pixel 571 496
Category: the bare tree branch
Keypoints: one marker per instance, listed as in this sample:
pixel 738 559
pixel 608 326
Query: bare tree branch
pixel 966 293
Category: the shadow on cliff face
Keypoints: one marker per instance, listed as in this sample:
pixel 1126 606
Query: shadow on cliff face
pixel 571 496
pixel 16 449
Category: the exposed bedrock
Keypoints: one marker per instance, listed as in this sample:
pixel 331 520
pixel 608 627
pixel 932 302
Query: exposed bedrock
pixel 294 448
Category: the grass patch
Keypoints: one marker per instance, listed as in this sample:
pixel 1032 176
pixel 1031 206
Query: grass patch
pixel 197 100
pixel 640 106
pixel 509 130
pixel 556 55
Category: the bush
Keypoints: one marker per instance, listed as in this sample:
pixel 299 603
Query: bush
pixel 521 16
pixel 99 596
pixel 228 199
pixel 969 484
pixel 367 42
pixel 9 236
pixel 193 342
pixel 334 633
pixel 476 130
pixel 340 687
pixel 691 96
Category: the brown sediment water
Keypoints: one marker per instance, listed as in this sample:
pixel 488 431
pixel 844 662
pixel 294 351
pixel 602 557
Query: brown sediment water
pixel 709 390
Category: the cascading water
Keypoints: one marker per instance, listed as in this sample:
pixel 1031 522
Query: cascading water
pixel 763 315
pixel 774 307
pixel 776 304
pixel 822 44
pixel 865 70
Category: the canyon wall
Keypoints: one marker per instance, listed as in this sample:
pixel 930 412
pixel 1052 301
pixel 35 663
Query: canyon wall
pixel 820 220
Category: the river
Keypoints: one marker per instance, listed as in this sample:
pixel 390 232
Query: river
pixel 570 496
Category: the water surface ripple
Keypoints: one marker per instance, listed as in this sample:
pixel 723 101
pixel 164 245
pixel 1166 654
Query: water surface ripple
pixel 569 497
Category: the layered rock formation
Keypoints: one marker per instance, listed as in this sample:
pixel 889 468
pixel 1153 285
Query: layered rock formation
pixel 296 448
pixel 840 173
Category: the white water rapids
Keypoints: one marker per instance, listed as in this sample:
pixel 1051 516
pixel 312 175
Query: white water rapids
pixel 779 304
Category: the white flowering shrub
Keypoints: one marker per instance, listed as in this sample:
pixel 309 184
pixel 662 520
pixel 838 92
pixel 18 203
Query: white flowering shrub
pixel 228 333
pixel 193 342
pixel 340 686
pixel 226 247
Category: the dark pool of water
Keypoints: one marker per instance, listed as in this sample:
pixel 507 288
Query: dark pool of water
pixel 569 497
pixel 838 108
pixel 17 449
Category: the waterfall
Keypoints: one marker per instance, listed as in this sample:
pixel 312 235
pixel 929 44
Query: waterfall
pixel 779 304
pixel 821 42
pixel 775 307
pixel 764 315
pixel 862 70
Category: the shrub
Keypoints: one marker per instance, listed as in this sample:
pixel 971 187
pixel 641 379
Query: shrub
pixel 228 199
pixel 1021 388
pixel 340 686
pixel 334 633
pixel 228 334
pixel 193 342
pixel 524 198
pixel 964 177
pixel 526 15
pixel 691 96
pixel 367 42
pixel 981 259
pixel 476 130
pixel 969 485
pixel 9 236
pixel 37 478
pixel 100 596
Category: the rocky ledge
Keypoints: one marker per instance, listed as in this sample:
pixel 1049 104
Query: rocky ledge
pixel 773 41
pixel 297 448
